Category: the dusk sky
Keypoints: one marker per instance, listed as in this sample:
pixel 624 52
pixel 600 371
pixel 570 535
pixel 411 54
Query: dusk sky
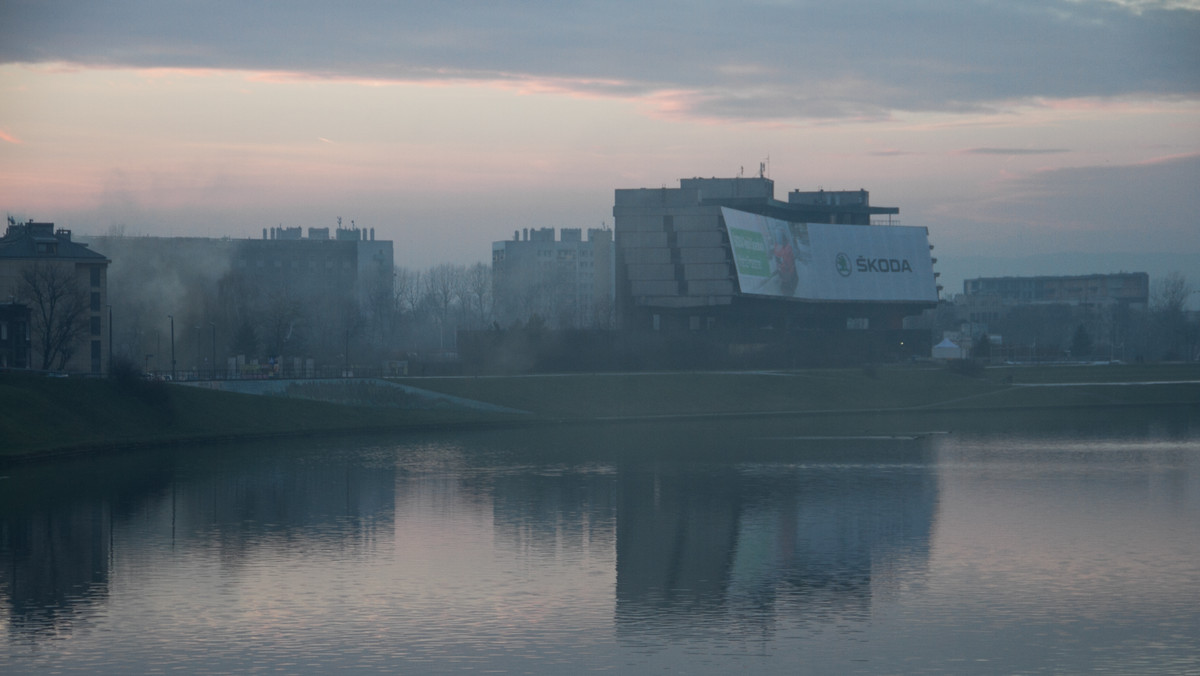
pixel 1063 133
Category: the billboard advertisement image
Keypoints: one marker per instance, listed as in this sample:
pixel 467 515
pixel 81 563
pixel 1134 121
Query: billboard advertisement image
pixel 820 261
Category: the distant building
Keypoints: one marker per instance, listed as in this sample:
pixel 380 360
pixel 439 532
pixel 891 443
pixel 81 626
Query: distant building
pixel 78 321
pixel 724 254
pixel 567 282
pixel 1128 288
pixel 283 294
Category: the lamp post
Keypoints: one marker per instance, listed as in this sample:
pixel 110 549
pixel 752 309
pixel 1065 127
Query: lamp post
pixel 214 349
pixel 172 318
pixel 109 340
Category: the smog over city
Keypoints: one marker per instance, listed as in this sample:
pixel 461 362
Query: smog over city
pixel 777 336
pixel 1030 137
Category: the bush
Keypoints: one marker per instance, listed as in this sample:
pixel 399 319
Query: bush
pixel 128 379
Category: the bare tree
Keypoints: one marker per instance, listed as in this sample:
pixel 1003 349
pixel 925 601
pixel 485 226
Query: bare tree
pixel 60 310
pixel 408 289
pixel 1167 305
pixel 1170 294
pixel 477 289
pixel 443 288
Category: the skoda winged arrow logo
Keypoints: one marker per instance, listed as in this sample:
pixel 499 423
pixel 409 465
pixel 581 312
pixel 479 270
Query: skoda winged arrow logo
pixel 843 264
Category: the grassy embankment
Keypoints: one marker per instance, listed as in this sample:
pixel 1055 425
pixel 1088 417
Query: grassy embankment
pixel 814 391
pixel 40 415
pixel 44 415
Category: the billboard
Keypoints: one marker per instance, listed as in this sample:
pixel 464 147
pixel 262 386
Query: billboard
pixel 819 261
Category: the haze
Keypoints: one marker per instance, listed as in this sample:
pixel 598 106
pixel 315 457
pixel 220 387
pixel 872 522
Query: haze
pixel 1029 136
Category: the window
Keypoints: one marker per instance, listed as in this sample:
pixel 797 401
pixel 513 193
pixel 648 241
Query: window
pixel 95 301
pixel 95 326
pixel 95 272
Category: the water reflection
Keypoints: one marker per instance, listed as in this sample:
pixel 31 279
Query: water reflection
pixel 710 551
pixel 61 524
pixel 707 547
pixel 56 530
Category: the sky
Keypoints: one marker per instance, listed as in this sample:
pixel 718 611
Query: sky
pixel 1029 136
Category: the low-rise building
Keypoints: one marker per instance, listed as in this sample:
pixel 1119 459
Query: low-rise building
pixel 1129 288
pixel 64 284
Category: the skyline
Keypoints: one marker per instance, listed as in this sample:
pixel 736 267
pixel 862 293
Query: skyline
pixel 1057 133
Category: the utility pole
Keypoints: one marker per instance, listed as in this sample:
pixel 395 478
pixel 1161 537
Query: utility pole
pixel 110 340
pixel 172 318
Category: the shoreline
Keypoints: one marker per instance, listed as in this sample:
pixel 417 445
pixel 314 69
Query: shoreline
pixel 1001 415
pixel 43 419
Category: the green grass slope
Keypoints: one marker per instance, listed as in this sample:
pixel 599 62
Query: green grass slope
pixel 39 414
pixel 832 390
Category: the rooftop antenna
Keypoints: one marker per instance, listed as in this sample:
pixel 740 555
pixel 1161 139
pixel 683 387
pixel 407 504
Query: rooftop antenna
pixel 339 222
pixel 763 167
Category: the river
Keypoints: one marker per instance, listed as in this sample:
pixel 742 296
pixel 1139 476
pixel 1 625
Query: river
pixel 707 547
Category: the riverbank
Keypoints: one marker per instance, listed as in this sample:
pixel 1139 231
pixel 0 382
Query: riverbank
pixel 45 417
pixel 817 391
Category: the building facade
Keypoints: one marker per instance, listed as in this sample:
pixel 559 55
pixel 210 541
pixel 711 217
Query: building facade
pixel 567 282
pixel 676 268
pixel 1128 288
pixel 282 295
pixel 64 285
pixel 15 335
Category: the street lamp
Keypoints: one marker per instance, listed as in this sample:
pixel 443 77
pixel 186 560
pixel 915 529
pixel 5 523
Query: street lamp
pixel 214 349
pixel 109 340
pixel 172 318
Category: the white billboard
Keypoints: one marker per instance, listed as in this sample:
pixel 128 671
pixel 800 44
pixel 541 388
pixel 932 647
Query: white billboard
pixel 819 261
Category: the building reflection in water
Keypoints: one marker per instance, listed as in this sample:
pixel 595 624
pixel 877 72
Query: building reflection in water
pixel 56 535
pixel 676 530
pixel 65 527
pixel 742 549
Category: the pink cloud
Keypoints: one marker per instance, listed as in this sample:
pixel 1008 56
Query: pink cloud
pixel 5 136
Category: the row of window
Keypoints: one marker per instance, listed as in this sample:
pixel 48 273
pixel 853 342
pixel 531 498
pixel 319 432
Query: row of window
pixel 295 265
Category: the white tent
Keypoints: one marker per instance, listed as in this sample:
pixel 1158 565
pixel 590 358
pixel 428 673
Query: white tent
pixel 948 349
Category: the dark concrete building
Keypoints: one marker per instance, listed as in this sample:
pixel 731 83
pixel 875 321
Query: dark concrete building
pixel 676 269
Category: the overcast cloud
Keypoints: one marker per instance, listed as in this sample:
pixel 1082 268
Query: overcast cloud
pixel 771 59
pixel 1009 128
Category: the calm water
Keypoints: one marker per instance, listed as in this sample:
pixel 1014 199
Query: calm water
pixel 700 548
